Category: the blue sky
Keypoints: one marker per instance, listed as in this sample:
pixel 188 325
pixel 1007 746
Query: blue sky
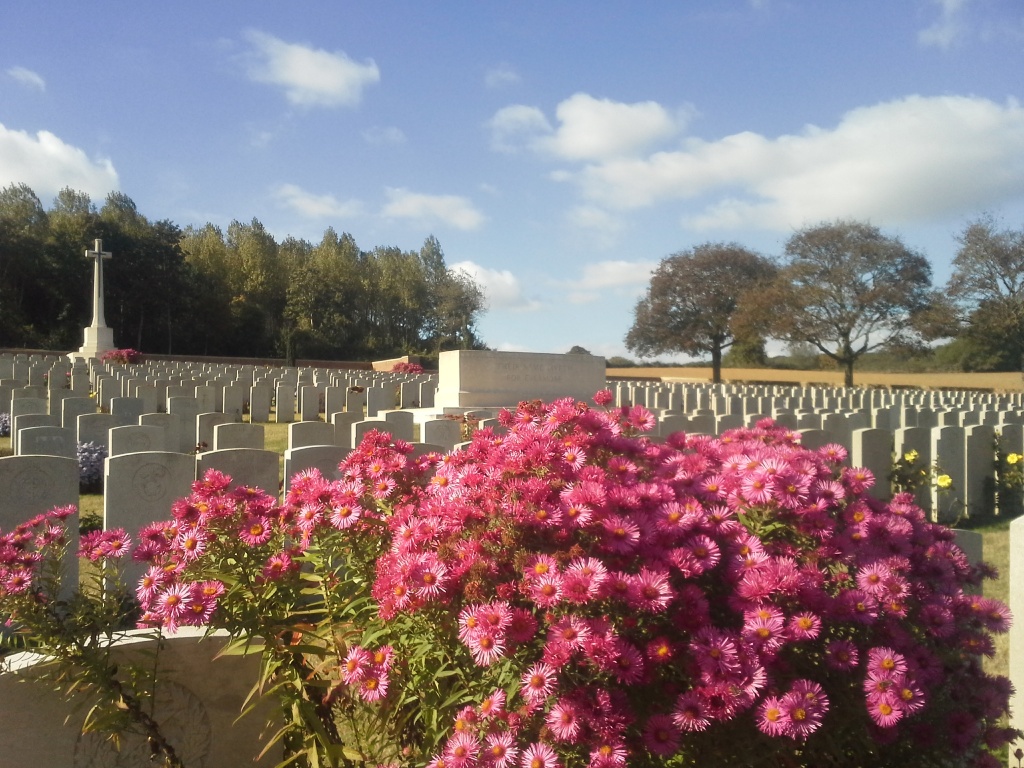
pixel 558 150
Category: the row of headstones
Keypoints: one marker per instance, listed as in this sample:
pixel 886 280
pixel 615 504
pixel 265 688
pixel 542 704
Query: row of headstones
pixel 966 454
pixel 41 370
pixel 41 406
pixel 225 388
pixel 229 387
pixel 728 398
pixel 129 429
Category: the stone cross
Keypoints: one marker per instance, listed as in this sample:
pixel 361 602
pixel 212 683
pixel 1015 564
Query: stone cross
pixel 98 255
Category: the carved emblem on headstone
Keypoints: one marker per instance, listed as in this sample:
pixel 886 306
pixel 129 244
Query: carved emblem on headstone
pixel 29 485
pixel 150 481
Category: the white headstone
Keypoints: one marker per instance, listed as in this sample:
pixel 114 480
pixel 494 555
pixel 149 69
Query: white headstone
pixel 322 457
pixel 245 466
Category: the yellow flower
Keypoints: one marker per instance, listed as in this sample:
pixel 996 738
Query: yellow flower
pixel 944 481
pixel 1013 458
pixel 910 456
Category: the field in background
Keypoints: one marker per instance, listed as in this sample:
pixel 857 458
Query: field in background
pixel 992 381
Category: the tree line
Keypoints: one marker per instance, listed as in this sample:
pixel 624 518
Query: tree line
pixel 844 289
pixel 206 291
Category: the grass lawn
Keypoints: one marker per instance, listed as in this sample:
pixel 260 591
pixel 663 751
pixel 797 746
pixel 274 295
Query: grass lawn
pixel 996 539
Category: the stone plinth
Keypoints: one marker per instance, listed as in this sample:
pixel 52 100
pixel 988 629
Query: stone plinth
pixel 480 379
pixel 98 339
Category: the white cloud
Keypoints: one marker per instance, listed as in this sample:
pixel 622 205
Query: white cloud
pixel 511 125
pixel 913 159
pixel 453 210
pixel 502 288
pixel 317 206
pixel 309 76
pixel 603 228
pixel 948 28
pixel 501 75
pixel 28 78
pixel 47 164
pixel 389 135
pixel 594 129
pixel 628 278
pixel 588 128
pixel 617 274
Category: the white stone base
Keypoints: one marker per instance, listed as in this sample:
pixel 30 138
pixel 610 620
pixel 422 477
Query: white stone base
pixel 483 379
pixel 98 339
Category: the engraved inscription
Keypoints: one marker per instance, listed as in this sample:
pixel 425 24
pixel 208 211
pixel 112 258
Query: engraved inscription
pixel 150 481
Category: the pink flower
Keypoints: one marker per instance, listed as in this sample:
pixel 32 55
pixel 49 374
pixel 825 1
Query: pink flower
pixel 885 709
pixel 462 749
pixel 255 530
pixel 885 662
pixel 772 717
pixel 172 602
pixel 690 713
pixel 356 665
pixel 278 565
pixel 841 654
pixel 564 721
pixel 715 651
pixel 345 515
pixel 373 687
pixel 804 626
pixel 538 683
pixel 608 754
pixel 500 750
pixel 651 591
pixel 493 705
pixel 546 591
pixel 805 706
pixel 539 755
pixel 661 736
pixel 486 647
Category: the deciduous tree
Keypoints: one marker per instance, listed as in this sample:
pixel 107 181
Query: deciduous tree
pixel 691 300
pixel 987 286
pixel 846 289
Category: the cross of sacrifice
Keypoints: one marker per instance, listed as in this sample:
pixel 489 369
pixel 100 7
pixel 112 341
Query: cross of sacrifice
pixel 98 255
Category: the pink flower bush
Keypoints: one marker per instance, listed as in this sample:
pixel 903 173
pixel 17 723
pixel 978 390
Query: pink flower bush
pixel 630 600
pixel 123 356
pixel 571 594
pixel 404 367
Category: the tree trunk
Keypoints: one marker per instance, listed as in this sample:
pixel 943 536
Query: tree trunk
pixel 716 364
pixel 848 372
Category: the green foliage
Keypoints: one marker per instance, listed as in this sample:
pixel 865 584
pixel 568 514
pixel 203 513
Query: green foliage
pixel 987 286
pixel 616 361
pixel 691 300
pixel 846 289
pixel 210 292
pixel 746 353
